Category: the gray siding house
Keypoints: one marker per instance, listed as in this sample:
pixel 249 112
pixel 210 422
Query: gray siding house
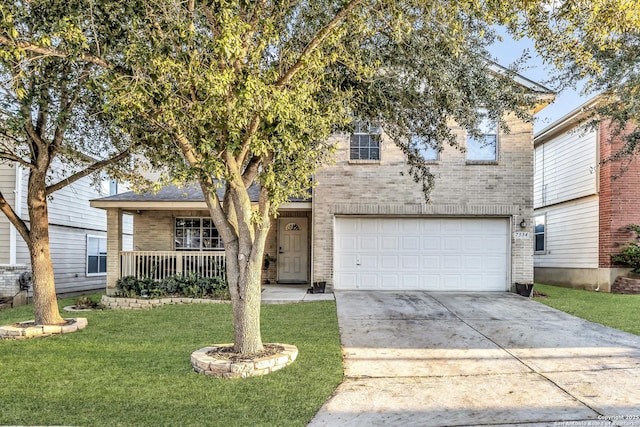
pixel 77 234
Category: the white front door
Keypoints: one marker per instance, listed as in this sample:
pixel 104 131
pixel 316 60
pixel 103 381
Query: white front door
pixel 292 250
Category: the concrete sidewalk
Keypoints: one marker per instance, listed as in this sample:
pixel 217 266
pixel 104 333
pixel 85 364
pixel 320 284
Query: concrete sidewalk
pixel 443 359
pixel 285 294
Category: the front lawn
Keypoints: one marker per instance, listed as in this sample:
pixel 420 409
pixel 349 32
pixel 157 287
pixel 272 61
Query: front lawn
pixel 133 368
pixel 614 310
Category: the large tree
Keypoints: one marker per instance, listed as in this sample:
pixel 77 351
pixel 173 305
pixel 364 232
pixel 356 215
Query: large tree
pixel 51 114
pixel 236 93
pixel 595 43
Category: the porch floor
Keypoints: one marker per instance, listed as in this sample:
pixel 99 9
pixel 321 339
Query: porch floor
pixel 283 294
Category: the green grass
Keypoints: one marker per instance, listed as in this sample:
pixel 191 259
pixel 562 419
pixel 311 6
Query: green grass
pixel 133 368
pixel 614 310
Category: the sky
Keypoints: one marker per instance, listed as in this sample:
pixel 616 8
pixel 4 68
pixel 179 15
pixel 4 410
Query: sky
pixel 509 50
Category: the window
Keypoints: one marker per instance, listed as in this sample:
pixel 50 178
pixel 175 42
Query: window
pixel 108 186
pixel 197 234
pixel 292 226
pixel 539 233
pixel 96 255
pixel 485 148
pixel 428 153
pixel 113 187
pixel 365 142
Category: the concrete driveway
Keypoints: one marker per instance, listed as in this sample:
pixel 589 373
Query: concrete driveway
pixel 451 359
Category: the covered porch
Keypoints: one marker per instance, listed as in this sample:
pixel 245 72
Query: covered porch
pixel 159 265
pixel 173 234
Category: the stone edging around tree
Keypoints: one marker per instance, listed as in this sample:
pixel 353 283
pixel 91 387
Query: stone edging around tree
pixel 28 329
pixel 120 303
pixel 206 364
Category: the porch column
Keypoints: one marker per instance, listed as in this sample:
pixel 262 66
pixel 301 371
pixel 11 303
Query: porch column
pixel 114 247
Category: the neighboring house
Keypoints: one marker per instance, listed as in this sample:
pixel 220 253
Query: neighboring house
pixel 77 234
pixel 581 204
pixel 367 225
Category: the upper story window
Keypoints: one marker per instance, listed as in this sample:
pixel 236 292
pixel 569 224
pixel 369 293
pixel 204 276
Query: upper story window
pixel 539 233
pixel 365 141
pixel 428 153
pixel 96 255
pixel 484 148
pixel 197 234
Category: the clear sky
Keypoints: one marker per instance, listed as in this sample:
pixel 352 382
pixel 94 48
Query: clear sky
pixel 509 50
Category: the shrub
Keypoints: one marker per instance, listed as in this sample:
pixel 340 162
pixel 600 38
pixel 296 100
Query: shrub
pixel 191 286
pixel 630 254
pixel 84 302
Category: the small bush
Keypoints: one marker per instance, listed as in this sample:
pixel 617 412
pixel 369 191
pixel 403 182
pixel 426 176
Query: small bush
pixel 630 254
pixel 84 302
pixel 191 286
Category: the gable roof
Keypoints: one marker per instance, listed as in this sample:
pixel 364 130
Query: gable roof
pixel 570 120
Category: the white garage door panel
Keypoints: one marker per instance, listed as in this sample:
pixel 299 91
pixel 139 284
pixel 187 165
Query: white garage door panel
pixel 421 253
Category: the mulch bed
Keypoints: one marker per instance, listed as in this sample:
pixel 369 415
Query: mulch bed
pixel 227 353
pixel 33 324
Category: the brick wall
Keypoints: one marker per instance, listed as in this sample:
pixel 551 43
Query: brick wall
pixel 9 275
pixel 619 197
pixel 385 188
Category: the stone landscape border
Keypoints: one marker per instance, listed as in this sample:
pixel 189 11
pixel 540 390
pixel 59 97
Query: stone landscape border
pixel 24 330
pixel 120 303
pixel 206 364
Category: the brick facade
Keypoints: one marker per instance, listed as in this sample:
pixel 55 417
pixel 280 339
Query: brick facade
pixel 502 189
pixel 384 188
pixel 619 197
pixel 154 231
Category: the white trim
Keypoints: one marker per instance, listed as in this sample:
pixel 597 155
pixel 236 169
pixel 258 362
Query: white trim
pixel 17 208
pixel 86 258
pixel 571 118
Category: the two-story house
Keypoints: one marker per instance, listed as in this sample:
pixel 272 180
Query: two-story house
pixel 366 225
pixel 582 203
pixel 77 234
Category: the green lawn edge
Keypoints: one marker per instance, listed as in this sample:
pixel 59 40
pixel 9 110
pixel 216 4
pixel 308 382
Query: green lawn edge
pixel 614 310
pixel 133 368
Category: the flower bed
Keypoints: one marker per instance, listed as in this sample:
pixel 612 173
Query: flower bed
pixel 121 303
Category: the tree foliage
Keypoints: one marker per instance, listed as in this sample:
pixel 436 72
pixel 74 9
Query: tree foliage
pixel 52 123
pixel 597 41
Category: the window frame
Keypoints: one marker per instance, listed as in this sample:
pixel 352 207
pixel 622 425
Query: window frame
pixel 494 132
pixel 201 236
pixel 100 256
pixel 543 233
pixel 373 135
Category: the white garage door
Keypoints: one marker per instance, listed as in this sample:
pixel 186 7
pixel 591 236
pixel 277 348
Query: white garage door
pixel 448 254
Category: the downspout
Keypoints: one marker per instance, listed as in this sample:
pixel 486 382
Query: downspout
pixel 17 207
pixel 313 201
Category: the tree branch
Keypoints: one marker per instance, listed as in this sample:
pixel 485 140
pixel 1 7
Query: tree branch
pixel 316 41
pixel 48 51
pixel 17 222
pixel 87 171
pixel 4 155
pixel 250 171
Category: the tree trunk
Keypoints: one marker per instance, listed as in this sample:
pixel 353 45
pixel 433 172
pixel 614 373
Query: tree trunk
pixel 245 288
pixel 45 303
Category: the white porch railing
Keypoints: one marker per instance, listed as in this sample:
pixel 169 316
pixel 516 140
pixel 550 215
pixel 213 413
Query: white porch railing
pixel 160 264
